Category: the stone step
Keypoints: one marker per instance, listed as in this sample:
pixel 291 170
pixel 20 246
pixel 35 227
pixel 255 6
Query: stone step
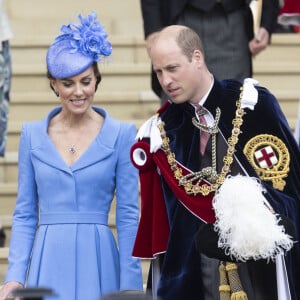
pixel 284 48
pixel 33 18
pixel 115 96
pixel 127 105
pixel 273 68
pixel 6 222
pixel 136 109
pixel 125 50
pixel 8 171
pixel 8 194
pixel 120 77
pixel 111 68
pixel 132 80
pixel 3 263
pixel 278 81
pixel 131 49
pixel 130 60
pixel 3 255
pixel 289 103
pixel 130 109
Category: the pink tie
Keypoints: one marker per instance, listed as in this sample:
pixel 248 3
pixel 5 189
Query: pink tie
pixel 204 136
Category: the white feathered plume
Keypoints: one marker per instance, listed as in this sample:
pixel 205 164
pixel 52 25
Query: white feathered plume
pixel 247 228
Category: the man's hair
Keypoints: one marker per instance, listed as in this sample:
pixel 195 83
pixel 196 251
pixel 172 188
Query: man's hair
pixel 189 41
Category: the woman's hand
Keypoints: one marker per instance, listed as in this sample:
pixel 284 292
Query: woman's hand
pixel 7 288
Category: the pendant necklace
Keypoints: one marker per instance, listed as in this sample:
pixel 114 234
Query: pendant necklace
pixel 72 149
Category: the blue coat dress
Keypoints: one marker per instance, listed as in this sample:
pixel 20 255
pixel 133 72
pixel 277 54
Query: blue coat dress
pixel 60 236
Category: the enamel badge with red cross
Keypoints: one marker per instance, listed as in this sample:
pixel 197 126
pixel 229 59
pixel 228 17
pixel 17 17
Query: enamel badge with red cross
pixel 266 157
pixel 270 158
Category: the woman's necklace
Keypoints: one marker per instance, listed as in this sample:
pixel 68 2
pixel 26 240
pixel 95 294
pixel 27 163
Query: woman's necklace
pixel 191 182
pixel 72 149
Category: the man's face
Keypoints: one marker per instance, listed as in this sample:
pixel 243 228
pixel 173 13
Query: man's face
pixel 178 76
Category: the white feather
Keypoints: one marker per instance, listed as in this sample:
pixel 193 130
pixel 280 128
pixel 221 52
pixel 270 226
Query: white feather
pixel 250 94
pixel 246 226
pixel 144 130
pixel 150 129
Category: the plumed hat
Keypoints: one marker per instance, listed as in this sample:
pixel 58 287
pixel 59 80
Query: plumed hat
pixel 78 47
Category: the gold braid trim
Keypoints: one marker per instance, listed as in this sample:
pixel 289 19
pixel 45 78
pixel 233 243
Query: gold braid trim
pixel 188 181
pixel 237 292
pixel 224 287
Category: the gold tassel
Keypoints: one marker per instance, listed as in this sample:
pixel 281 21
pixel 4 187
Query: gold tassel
pixel 237 292
pixel 224 287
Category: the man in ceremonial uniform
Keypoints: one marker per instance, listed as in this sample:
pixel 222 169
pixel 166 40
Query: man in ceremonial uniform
pixel 220 187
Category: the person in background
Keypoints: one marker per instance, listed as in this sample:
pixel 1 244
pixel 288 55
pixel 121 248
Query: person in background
pixel 71 165
pixel 5 74
pixel 289 13
pixel 2 236
pixel 219 178
pixel 225 27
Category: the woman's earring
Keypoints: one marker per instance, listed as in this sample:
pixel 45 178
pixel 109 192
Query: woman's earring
pixel 56 93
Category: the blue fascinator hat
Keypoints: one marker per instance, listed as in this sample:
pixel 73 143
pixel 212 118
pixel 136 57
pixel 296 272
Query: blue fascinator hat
pixel 78 47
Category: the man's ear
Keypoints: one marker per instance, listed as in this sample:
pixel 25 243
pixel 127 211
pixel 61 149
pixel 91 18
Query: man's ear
pixel 198 56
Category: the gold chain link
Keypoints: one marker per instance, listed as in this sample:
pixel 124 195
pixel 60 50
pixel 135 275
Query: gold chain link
pixel 188 181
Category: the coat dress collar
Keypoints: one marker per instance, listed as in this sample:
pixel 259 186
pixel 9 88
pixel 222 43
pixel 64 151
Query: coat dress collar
pixel 103 146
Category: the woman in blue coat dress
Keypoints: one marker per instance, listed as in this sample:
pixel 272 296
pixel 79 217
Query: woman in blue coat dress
pixel 72 165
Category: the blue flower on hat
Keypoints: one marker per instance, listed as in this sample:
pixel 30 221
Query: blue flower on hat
pixel 78 47
pixel 89 37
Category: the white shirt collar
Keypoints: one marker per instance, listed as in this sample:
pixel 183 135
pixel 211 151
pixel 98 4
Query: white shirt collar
pixel 208 117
